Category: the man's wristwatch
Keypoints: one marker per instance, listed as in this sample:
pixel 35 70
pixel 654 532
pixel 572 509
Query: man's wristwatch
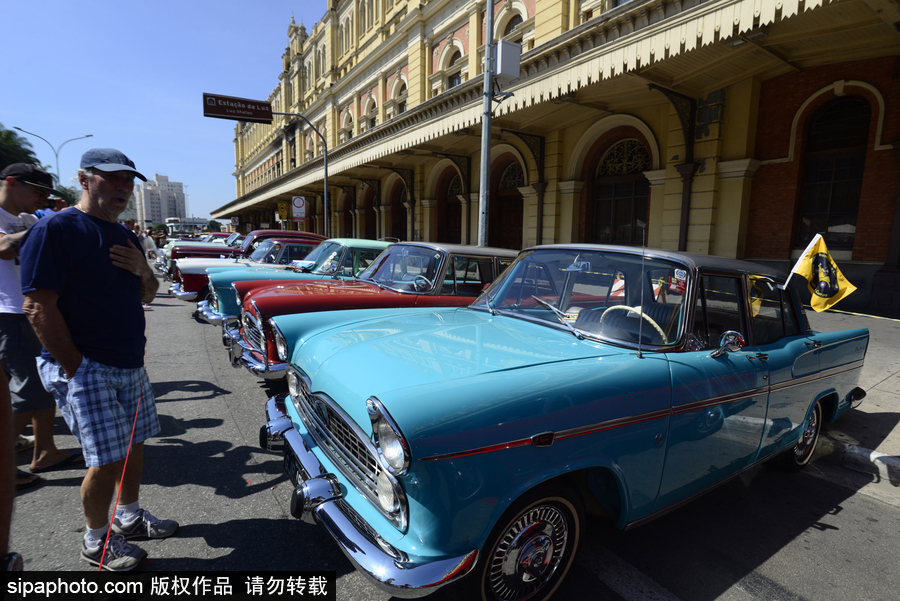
pixel 12 562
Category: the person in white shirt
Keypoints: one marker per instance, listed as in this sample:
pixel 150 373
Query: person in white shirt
pixel 24 189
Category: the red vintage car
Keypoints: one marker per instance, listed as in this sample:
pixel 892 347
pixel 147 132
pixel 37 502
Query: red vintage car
pixel 251 241
pixel 407 274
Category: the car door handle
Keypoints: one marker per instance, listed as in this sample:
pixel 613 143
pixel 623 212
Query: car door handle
pixel 814 343
pixel 760 356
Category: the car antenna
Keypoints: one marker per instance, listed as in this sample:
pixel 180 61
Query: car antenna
pixel 643 227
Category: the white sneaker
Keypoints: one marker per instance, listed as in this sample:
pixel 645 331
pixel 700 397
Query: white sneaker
pixel 23 443
pixel 120 556
pixel 145 526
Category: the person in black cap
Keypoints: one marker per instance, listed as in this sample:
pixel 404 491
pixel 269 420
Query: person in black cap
pixel 93 358
pixel 24 188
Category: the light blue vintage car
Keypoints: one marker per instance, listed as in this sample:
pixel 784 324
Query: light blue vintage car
pixel 465 444
pixel 338 258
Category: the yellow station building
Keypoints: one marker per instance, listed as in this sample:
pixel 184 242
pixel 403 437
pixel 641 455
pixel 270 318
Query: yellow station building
pixel 738 128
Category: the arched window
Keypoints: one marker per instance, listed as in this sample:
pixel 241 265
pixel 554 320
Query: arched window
pixel 448 212
pixel 455 187
pixel 454 70
pixel 401 99
pixel 371 14
pixel 513 178
pixel 347 130
pixel 370 117
pixel 506 208
pixel 834 160
pixel 511 25
pixel 621 195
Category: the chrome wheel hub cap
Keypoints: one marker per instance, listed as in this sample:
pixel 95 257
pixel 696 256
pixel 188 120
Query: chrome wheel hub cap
pixel 809 435
pixel 528 554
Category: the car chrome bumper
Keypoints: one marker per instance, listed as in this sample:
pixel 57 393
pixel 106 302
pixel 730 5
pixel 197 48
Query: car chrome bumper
pixel 206 313
pixel 241 355
pixel 319 500
pixel 180 293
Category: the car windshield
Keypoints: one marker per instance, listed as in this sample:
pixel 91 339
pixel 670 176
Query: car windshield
pixel 265 252
pixel 234 239
pixel 613 295
pixel 406 268
pixel 324 259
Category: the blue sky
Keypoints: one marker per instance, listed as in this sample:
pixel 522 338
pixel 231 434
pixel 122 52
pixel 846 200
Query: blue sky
pixel 133 74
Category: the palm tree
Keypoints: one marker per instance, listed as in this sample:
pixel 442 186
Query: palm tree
pixel 14 149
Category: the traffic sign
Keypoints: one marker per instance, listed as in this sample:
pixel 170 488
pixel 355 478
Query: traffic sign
pixel 239 109
pixel 299 204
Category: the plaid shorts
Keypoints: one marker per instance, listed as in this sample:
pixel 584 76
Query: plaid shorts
pixel 99 405
pixel 18 348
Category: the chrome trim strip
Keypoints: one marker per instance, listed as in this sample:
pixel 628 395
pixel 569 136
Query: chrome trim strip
pixel 627 421
pixel 720 400
pixel 564 434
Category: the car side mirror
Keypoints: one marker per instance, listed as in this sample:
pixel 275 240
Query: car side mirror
pixel 730 342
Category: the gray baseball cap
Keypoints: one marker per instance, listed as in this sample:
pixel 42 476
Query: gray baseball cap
pixel 108 159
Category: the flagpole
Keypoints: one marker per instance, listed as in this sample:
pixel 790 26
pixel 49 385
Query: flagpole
pixel 800 260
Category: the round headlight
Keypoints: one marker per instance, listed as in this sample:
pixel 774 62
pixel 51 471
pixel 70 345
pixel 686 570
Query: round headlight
pixel 386 497
pixel 293 381
pixel 281 346
pixel 390 446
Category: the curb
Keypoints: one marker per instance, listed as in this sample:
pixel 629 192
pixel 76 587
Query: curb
pixel 860 459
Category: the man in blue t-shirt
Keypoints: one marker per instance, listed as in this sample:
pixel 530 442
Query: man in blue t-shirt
pixel 84 278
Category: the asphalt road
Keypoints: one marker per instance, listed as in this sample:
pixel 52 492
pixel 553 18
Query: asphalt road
pixel 822 534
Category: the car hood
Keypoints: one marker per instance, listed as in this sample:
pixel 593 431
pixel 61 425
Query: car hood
pixel 249 274
pixel 399 352
pixel 331 295
pixel 200 265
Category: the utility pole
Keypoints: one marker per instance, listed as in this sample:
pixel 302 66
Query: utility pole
pixel 484 188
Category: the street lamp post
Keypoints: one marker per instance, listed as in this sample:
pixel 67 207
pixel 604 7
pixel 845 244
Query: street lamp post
pixel 326 205
pixel 55 150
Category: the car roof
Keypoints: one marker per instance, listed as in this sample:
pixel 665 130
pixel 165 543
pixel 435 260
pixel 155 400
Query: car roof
pixel 289 233
pixel 362 243
pixel 693 260
pixel 292 240
pixel 463 249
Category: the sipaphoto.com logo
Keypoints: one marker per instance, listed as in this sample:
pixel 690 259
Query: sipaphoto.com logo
pixel 825 280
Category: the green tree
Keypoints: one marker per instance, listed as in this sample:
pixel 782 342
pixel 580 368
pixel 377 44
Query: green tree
pixel 160 227
pixel 14 148
pixel 69 193
pixel 213 226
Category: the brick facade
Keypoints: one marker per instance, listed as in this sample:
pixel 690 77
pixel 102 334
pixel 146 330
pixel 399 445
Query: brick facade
pixel 772 226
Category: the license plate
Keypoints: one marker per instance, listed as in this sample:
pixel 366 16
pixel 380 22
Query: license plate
pixel 292 466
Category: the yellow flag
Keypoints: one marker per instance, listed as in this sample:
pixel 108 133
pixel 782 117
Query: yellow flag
pixel 825 281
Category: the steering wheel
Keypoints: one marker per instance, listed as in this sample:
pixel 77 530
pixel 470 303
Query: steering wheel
pixel 428 282
pixel 640 313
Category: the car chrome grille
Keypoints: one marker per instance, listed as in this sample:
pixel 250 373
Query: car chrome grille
pixel 344 445
pixel 253 333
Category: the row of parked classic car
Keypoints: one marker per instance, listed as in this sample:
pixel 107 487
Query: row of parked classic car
pixel 452 411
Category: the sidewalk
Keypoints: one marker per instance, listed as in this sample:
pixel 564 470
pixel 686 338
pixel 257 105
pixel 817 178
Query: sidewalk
pixel 867 439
